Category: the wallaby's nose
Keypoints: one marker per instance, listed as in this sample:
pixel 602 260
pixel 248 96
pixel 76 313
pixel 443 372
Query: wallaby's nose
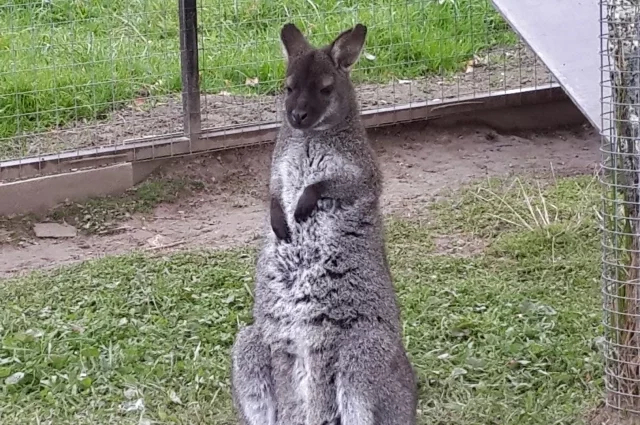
pixel 298 117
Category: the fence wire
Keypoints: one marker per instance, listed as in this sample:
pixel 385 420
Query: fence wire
pixel 82 74
pixel 621 201
pixel 416 51
pixel 85 75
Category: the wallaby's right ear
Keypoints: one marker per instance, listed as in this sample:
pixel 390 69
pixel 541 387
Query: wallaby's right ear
pixel 293 41
pixel 346 49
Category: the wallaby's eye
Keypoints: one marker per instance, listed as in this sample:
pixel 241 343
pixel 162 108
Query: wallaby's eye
pixel 289 89
pixel 327 90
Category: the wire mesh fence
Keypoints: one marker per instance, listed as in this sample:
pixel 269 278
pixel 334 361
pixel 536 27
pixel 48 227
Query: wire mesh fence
pixel 417 51
pixel 81 74
pixel 97 73
pixel 621 201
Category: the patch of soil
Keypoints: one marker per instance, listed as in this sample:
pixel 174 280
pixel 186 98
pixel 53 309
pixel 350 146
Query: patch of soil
pixel 459 245
pixel 419 162
pixel 606 416
pixel 146 117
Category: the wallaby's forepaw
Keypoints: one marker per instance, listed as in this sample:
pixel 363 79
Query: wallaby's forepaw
pixel 304 209
pixel 279 221
pixel 308 202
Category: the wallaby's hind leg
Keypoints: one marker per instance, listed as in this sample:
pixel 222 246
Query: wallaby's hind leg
pixel 251 379
pixel 375 382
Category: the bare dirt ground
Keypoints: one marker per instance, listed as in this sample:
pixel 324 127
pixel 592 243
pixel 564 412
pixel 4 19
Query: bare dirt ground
pixel 496 70
pixel 606 416
pixel 420 162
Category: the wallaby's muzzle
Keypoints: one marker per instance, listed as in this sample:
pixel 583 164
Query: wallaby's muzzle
pixel 298 119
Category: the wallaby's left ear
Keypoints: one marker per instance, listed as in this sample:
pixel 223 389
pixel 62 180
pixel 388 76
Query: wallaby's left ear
pixel 346 49
pixel 293 41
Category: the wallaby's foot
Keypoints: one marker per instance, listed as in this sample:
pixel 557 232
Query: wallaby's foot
pixel 279 221
pixel 308 201
pixel 251 380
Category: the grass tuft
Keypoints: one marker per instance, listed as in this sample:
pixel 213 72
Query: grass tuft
pixel 495 206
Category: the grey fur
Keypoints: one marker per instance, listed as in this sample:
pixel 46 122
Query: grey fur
pixel 325 347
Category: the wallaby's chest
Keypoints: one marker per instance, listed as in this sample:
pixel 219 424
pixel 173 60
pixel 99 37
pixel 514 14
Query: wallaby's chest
pixel 301 165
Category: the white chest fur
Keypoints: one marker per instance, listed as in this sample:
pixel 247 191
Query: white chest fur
pixel 293 169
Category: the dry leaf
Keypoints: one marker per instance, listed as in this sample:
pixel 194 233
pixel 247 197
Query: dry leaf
pixel 158 241
pixel 470 67
pixel 130 393
pixel 174 397
pixel 480 60
pixel 252 82
pixel 133 406
pixel 14 379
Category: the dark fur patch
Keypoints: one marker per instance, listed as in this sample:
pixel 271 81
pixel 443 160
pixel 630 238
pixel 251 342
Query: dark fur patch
pixel 342 323
pixel 353 234
pixel 303 300
pixel 334 274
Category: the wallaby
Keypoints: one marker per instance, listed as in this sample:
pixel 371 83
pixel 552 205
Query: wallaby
pixel 326 346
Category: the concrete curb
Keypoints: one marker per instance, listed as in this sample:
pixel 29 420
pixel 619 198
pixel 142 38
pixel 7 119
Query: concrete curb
pixel 41 194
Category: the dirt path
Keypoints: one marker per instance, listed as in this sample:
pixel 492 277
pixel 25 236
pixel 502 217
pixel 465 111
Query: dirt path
pixel 418 162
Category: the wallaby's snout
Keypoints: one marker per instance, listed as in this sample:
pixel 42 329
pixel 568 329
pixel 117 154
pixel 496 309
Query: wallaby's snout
pixel 298 118
pixel 319 93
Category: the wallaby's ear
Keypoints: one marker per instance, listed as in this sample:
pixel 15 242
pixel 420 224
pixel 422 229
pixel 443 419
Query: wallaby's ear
pixel 293 41
pixel 346 49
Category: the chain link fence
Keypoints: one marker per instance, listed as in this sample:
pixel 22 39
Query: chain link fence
pixel 111 77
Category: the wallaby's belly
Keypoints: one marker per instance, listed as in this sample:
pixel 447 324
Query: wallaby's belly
pixel 299 288
pixel 301 295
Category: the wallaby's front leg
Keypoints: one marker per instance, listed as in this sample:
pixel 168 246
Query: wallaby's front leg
pixel 345 190
pixel 308 200
pixel 279 220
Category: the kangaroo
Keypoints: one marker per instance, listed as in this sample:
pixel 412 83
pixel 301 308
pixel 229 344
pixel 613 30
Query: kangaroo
pixel 325 347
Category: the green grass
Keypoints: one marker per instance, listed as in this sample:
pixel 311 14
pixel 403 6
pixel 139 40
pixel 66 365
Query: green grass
pixel 64 60
pixel 502 337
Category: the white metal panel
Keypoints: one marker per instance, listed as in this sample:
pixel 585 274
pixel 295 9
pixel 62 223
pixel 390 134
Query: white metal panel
pixel 566 36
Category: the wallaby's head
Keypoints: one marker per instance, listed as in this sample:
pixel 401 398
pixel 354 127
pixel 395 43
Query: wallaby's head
pixel 319 92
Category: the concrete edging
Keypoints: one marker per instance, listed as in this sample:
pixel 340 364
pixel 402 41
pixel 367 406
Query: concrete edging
pixel 40 194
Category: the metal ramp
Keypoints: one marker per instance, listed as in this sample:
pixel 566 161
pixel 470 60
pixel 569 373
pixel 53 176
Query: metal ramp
pixel 565 34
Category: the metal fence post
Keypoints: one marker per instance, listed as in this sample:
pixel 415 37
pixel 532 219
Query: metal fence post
pixel 188 12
